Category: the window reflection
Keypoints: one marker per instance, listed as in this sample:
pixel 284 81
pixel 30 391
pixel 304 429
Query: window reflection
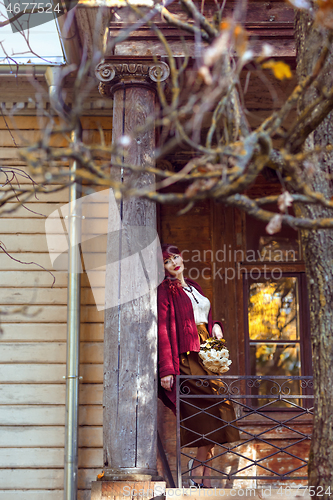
pixel 273 310
pixel 274 333
pixel 275 359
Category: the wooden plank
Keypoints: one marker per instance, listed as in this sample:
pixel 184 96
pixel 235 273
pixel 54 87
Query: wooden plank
pixel 48 394
pixel 281 48
pixel 32 437
pixel 48 314
pixel 25 138
pixel 32 373
pixel 36 122
pixel 29 210
pixel 35 209
pixel 33 279
pixel 25 242
pixel 40 494
pixel 43 478
pixel 17 279
pixel 33 394
pixel 46 373
pixel 48 196
pixel 47 437
pixel 21 174
pixel 9 154
pixel 27 261
pixel 90 314
pixel 239 310
pixel 48 296
pixel 257 12
pixel 47 458
pixel 48 332
pixel 37 226
pixel 39 314
pixel 36 296
pixel 46 352
pixel 31 494
pixel 40 415
pixel 42 210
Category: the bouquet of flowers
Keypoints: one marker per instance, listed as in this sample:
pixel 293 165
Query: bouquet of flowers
pixel 215 355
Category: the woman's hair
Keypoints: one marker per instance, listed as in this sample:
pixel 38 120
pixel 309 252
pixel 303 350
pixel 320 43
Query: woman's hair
pixel 168 250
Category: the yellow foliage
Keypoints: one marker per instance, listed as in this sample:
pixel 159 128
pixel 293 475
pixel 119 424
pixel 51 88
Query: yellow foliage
pixel 280 69
pixel 272 311
pixel 225 24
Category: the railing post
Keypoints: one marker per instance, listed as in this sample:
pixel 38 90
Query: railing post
pixel 179 465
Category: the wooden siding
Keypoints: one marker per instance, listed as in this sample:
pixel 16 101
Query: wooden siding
pixel 33 345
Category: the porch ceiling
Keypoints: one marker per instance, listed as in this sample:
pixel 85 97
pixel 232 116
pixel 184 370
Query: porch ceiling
pixel 270 22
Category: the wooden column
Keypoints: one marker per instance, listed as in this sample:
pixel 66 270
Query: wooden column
pixel 130 332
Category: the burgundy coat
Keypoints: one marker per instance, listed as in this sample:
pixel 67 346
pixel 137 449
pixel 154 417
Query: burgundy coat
pixel 177 333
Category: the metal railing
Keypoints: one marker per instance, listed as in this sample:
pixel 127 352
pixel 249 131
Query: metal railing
pixel 273 416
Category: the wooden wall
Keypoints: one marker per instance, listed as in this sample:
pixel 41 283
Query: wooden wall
pixel 33 347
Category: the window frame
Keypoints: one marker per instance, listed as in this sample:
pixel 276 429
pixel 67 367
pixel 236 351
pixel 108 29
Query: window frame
pixel 304 326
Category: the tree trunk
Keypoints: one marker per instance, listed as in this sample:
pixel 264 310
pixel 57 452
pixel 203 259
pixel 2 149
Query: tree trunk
pixel 318 256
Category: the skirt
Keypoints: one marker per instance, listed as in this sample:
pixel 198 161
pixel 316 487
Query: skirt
pixel 197 423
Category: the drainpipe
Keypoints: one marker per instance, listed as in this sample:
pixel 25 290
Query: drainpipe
pixel 73 304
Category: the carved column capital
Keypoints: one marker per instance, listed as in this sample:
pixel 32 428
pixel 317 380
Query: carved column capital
pixel 114 74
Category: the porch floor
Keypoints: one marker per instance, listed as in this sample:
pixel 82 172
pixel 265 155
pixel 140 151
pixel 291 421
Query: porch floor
pixel 194 493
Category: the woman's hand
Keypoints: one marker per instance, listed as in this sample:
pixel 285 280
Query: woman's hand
pixel 217 331
pixel 167 382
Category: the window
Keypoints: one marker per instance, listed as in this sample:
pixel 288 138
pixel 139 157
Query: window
pixel 277 328
pixel 276 312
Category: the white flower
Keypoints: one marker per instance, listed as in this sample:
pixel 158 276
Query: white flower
pixel 285 200
pixel 215 361
pixel 267 50
pixel 247 56
pixel 224 362
pixel 204 72
pixel 224 369
pixel 274 225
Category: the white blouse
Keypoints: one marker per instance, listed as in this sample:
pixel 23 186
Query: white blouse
pixel 200 308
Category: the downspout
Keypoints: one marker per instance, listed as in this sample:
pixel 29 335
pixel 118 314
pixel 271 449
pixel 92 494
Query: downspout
pixel 73 303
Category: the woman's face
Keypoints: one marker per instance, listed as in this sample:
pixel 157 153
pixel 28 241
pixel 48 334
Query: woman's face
pixel 174 264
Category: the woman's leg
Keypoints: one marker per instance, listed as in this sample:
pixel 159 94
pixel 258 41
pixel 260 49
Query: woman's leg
pixel 203 453
pixel 207 469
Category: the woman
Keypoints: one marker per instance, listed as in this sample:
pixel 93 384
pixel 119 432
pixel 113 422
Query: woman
pixel 185 322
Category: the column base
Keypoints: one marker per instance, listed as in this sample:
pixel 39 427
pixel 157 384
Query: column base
pixel 130 474
pixel 127 490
